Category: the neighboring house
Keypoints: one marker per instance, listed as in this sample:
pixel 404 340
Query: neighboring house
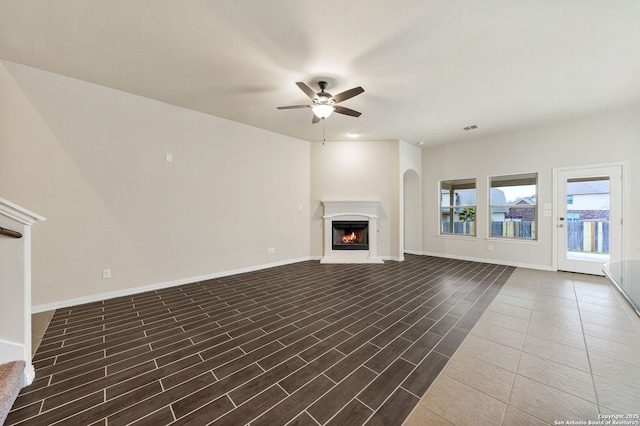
pixel 522 214
pixel 461 197
pixel 498 214
pixel 467 197
pixel 588 201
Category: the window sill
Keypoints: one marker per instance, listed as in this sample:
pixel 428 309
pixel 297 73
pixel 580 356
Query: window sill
pixel 512 241
pixel 457 237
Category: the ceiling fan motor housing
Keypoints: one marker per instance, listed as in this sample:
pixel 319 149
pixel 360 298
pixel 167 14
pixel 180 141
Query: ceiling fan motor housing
pixel 322 96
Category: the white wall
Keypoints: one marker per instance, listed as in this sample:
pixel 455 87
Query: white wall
pixel 410 225
pixel 92 160
pixel 360 171
pixel 608 137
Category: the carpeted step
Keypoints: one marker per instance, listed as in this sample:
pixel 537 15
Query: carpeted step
pixel 11 375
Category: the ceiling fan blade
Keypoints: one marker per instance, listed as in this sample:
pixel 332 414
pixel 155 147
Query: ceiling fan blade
pixel 294 106
pixel 306 89
pixel 348 94
pixel 315 119
pixel 346 111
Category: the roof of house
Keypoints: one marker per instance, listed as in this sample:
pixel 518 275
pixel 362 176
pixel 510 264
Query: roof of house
pixel 527 200
pixel 588 187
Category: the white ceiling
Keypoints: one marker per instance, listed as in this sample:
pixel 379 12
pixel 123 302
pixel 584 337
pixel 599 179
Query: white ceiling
pixel 428 67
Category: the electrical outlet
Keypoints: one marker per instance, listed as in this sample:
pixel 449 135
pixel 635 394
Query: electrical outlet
pixel 490 247
pixel 106 274
pixel 271 250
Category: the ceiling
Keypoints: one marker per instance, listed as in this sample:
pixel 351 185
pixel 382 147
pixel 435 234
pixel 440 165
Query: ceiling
pixel 429 67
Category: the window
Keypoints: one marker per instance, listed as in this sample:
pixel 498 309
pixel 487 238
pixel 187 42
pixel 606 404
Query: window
pixel 513 205
pixel 458 207
pixel 573 215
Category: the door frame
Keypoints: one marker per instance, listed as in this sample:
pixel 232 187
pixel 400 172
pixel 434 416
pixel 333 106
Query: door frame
pixel 556 208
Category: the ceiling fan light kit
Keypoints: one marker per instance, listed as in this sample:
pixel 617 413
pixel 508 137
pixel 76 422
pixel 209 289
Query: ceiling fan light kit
pixel 322 111
pixel 324 104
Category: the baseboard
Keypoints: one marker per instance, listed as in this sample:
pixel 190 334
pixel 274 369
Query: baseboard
pixel 129 291
pixel 494 261
pixel 407 251
pixel 393 258
pixel 29 374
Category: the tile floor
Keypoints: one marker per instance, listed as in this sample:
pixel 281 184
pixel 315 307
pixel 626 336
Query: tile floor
pixel 302 344
pixel 39 324
pixel 552 348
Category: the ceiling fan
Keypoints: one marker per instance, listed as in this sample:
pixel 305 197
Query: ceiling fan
pixel 324 103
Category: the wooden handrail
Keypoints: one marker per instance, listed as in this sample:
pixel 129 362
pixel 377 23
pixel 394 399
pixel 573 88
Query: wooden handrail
pixel 10 233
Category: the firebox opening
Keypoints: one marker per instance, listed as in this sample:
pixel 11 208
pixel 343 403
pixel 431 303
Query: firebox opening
pixel 350 235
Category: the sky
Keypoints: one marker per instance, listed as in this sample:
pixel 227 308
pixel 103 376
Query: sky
pixel 513 193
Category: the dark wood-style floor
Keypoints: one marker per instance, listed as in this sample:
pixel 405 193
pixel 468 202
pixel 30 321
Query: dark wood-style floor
pixel 302 344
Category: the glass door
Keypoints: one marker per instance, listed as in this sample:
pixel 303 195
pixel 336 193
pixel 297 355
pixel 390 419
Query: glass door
pixel 589 221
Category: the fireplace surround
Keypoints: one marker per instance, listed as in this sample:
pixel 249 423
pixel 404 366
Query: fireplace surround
pixel 350 232
pixel 350 235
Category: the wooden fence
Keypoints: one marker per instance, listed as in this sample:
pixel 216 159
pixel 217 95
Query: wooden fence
pixel 582 236
pixel 464 228
pixel 588 236
pixel 521 229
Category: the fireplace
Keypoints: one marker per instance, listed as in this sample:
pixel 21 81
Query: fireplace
pixel 350 234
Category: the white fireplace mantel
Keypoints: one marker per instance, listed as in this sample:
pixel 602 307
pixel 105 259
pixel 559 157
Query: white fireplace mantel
pixel 351 210
pixel 15 281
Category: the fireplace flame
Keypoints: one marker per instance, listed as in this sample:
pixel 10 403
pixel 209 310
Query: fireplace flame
pixel 350 239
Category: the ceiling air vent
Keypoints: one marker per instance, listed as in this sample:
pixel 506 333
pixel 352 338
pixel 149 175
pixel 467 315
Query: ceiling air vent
pixel 472 127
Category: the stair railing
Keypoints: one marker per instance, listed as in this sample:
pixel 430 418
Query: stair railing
pixel 9 233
